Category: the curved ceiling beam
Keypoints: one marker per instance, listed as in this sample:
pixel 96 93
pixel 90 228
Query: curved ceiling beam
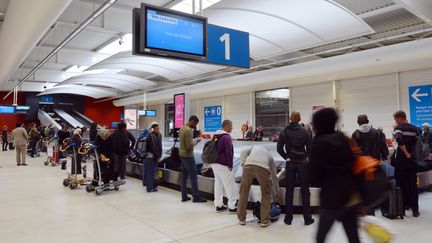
pixel 272 16
pixel 32 19
pixel 167 68
pixel 124 83
pixel 94 92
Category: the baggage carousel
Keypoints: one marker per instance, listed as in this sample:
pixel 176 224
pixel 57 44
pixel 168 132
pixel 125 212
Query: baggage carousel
pixel 172 177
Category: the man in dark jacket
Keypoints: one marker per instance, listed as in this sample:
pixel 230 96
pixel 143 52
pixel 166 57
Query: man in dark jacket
pixel 370 140
pixel 222 169
pixel 406 136
pixel 152 157
pixel 123 141
pixel 293 146
pixel 331 164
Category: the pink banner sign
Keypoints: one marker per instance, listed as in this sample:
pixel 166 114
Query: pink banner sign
pixel 179 110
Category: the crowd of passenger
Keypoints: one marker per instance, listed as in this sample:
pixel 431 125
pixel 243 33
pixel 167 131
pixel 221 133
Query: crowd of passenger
pixel 317 154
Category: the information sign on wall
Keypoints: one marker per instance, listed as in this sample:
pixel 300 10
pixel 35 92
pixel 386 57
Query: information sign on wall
pixel 420 100
pixel 212 118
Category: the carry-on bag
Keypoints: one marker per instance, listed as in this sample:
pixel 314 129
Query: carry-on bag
pixel 393 207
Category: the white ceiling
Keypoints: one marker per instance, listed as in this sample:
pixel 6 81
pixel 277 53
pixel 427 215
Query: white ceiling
pixel 276 27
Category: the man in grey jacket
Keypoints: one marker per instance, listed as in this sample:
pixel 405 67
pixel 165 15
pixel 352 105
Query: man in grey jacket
pixel 20 138
pixel 258 163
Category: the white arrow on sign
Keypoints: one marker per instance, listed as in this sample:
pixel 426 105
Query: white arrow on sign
pixel 206 112
pixel 416 95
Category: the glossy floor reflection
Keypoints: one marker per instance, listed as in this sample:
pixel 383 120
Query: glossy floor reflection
pixel 35 207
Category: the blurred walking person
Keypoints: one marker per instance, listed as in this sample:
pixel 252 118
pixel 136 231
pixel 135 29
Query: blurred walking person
pixel 331 169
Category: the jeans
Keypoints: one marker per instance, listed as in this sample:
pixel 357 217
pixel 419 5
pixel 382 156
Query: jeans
pixel 406 179
pixel 149 173
pixel 292 170
pixel 189 170
pixel 348 218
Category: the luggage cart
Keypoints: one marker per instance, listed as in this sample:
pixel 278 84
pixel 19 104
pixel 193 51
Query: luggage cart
pixel 72 181
pixel 98 185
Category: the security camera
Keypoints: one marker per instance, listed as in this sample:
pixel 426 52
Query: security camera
pixel 121 42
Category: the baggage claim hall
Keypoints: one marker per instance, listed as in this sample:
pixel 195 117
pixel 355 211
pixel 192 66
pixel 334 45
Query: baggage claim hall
pixel 153 121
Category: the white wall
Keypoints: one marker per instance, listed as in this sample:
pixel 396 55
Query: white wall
pixel 412 78
pixel 374 96
pixel 236 108
pixel 303 98
pixel 144 122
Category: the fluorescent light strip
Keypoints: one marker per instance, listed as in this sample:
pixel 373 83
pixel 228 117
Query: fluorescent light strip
pixel 186 5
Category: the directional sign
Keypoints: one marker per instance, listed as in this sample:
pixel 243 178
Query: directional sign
pixel 212 118
pixel 228 47
pixel 420 99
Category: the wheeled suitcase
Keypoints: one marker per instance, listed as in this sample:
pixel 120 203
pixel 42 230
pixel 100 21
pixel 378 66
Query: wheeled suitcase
pixel 11 146
pixel 393 207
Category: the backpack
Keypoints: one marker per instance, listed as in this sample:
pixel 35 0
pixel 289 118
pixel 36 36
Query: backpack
pixel 210 154
pixel 275 211
pixel 295 154
pixel 421 150
pixel 373 184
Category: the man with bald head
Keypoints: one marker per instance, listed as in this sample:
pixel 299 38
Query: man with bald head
pixel 294 147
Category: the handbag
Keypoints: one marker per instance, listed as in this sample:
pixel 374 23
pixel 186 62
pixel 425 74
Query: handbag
pixel 373 183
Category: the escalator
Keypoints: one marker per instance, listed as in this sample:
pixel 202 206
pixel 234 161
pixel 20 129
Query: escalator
pixel 67 118
pixel 81 118
pixel 47 119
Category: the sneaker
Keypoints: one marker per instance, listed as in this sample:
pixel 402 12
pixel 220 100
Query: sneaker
pixel 199 200
pixel 220 209
pixel 264 225
pixel 310 221
pixel 18 164
pixel 153 190
pixel 242 222
pixel 416 214
pixel 185 199
pixel 24 164
pixel 232 211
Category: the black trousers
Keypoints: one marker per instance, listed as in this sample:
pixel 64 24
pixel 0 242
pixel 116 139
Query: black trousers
pixel 33 148
pixel 406 179
pixel 5 144
pixel 293 170
pixel 348 218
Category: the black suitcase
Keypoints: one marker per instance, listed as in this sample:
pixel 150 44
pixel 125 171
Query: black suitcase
pixel 393 207
pixel 11 146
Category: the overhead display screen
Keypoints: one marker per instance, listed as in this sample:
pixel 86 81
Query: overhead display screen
pixel 7 110
pixel 151 113
pixel 173 32
pixel 169 33
pixel 22 109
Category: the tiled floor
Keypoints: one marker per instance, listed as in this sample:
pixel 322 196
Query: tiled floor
pixel 35 207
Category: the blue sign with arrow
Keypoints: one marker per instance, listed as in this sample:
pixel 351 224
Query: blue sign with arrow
pixel 420 100
pixel 212 118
